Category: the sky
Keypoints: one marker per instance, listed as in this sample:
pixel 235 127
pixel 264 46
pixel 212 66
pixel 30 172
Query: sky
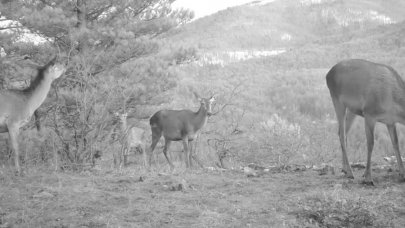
pixel 203 8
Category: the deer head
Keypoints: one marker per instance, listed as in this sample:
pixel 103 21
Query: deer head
pixel 206 103
pixel 53 70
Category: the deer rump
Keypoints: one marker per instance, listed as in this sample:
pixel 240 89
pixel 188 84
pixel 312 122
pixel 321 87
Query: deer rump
pixel 347 81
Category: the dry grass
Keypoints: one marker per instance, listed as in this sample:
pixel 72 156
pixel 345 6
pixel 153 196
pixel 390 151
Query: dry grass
pixel 197 198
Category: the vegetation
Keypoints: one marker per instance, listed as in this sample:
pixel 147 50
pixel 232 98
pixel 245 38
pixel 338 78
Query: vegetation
pixel 273 111
pixel 341 208
pixel 285 24
pixel 111 48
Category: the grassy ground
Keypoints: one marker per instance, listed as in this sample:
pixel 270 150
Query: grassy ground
pixel 198 198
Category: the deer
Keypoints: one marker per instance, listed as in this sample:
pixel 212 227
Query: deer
pixel 374 91
pixel 18 106
pixel 179 125
pixel 129 137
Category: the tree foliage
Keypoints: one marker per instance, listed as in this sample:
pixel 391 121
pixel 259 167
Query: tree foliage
pixel 112 51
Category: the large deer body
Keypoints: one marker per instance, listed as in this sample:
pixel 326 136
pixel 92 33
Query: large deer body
pixel 374 91
pixel 179 125
pixel 17 106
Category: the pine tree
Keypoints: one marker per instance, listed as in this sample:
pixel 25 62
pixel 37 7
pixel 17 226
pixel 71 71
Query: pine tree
pixel 112 50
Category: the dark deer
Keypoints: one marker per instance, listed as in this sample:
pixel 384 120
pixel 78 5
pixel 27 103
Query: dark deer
pixel 179 125
pixel 17 106
pixel 374 91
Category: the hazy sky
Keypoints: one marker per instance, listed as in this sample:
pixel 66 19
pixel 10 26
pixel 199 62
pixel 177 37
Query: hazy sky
pixel 206 7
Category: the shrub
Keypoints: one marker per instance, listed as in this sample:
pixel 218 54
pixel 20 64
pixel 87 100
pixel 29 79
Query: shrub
pixel 276 141
pixel 342 208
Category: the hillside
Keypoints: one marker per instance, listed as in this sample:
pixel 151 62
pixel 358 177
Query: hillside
pixel 284 23
pixel 270 154
pixel 290 85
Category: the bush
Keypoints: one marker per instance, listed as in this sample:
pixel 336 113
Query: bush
pixel 342 208
pixel 276 141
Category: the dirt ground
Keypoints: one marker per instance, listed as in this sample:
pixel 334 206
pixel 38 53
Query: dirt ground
pixel 194 198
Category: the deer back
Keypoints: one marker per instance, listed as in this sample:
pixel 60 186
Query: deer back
pixel 176 124
pixel 366 87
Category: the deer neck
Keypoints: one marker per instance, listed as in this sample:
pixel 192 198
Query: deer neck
pixel 201 118
pixel 37 92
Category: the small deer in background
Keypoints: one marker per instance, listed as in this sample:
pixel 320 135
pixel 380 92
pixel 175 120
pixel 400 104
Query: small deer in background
pixel 129 137
pixel 179 125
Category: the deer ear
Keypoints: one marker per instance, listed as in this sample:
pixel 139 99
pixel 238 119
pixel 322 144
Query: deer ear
pixel 51 62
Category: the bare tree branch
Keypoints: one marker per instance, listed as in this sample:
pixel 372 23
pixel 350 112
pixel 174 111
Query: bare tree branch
pixel 234 92
pixel 95 14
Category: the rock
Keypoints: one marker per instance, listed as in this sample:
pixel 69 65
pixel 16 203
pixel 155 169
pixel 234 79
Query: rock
pixel 392 160
pixel 249 172
pixel 176 186
pixel 324 169
pixel 256 166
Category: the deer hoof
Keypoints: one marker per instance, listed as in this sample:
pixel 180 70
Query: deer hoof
pixel 348 174
pixel 368 182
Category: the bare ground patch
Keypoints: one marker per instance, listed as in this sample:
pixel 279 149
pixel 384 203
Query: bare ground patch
pixel 198 198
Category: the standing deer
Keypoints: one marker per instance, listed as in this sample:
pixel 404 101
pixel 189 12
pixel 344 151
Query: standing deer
pixel 179 125
pixel 17 106
pixel 129 137
pixel 374 91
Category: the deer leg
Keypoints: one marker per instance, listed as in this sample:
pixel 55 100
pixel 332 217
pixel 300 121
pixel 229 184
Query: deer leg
pixel 155 140
pixel 143 152
pixel 13 133
pixel 349 121
pixel 37 120
pixel 394 139
pixel 369 125
pixel 187 152
pixel 125 153
pixel 120 156
pixel 167 145
pixel 193 155
pixel 115 159
pixel 152 148
pixel 340 110
pixel 191 147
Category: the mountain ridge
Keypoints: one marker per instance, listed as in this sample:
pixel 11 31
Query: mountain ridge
pixel 284 23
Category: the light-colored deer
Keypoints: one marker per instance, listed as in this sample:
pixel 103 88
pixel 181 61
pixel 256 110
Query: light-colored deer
pixel 179 125
pixel 129 136
pixel 374 91
pixel 17 106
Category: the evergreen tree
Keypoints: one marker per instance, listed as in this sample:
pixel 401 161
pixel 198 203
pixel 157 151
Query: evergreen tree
pixel 112 50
